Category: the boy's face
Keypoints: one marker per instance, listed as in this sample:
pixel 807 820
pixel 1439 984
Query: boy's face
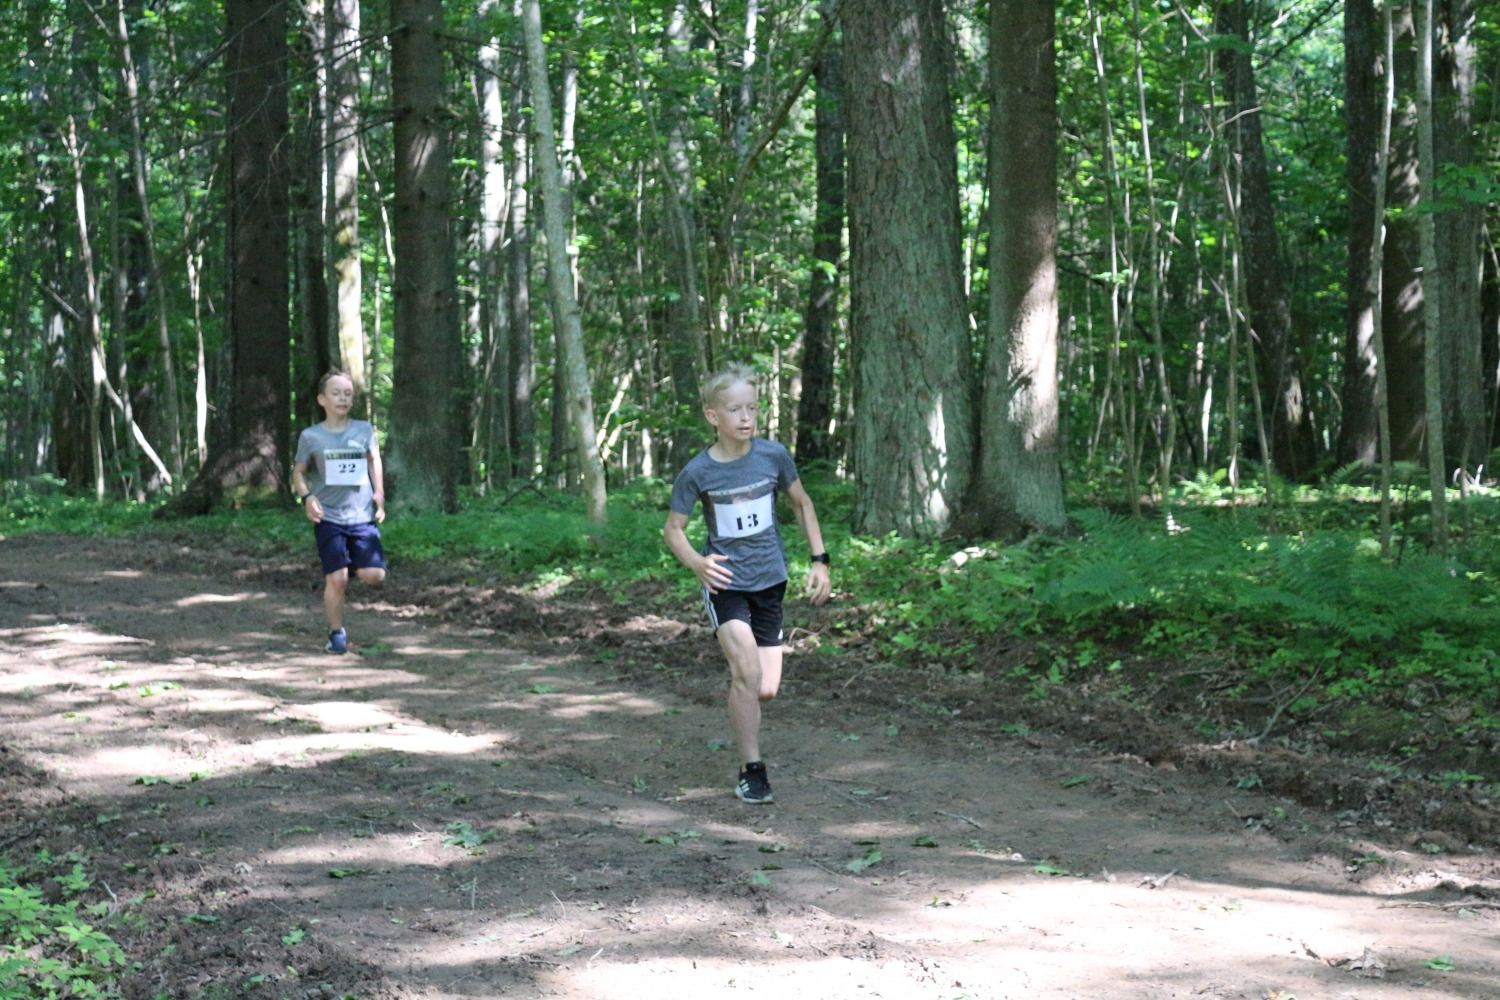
pixel 337 397
pixel 733 414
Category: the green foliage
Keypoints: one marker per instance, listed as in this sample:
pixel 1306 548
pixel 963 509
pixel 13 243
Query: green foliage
pixel 50 951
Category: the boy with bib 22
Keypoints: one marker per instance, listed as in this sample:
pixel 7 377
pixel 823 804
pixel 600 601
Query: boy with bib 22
pixel 743 567
pixel 340 483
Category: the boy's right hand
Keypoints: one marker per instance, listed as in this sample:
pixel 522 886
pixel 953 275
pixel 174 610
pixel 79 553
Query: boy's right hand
pixel 313 509
pixel 712 574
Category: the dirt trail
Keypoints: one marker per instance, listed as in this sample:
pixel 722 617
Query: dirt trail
pixel 304 801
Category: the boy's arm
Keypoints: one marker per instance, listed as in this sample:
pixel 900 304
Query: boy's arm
pixel 377 479
pixel 819 578
pixel 310 506
pixel 708 569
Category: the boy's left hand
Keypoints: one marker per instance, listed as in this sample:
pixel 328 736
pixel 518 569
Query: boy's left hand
pixel 819 583
pixel 379 508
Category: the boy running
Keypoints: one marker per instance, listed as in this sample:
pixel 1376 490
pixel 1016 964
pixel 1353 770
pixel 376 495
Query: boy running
pixel 344 498
pixel 743 567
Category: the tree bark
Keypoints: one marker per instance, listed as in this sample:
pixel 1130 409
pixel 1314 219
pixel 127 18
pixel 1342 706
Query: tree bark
pixel 131 83
pixel 914 414
pixel 686 337
pixel 313 354
pixel 1401 276
pixel 1293 444
pixel 815 407
pixel 1364 68
pixel 494 417
pixel 345 276
pixel 251 458
pixel 1019 481
pixel 574 365
pixel 1456 235
pixel 425 436
pixel 1432 280
pixel 518 270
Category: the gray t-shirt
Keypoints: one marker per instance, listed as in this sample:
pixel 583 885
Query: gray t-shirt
pixel 338 470
pixel 739 505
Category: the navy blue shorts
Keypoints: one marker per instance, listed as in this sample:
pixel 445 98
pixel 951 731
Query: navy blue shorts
pixel 356 545
pixel 760 609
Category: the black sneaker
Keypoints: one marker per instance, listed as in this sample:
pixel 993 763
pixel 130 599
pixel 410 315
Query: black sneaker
pixel 338 641
pixel 754 786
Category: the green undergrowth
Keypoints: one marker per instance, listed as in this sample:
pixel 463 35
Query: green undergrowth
pixel 50 950
pixel 1293 599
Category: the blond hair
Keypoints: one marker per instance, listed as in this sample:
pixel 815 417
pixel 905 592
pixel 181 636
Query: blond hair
pixel 720 381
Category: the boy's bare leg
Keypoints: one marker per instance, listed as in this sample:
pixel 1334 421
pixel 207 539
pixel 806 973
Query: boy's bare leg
pixel 770 671
pixel 333 598
pixel 370 574
pixel 746 686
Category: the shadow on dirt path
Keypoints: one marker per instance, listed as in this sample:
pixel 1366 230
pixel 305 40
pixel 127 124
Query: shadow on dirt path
pixel 452 814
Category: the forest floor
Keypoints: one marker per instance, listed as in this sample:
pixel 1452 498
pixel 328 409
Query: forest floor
pixel 483 800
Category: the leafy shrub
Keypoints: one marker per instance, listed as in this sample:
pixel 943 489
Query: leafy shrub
pixel 48 951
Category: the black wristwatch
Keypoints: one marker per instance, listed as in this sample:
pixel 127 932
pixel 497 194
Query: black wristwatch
pixel 822 557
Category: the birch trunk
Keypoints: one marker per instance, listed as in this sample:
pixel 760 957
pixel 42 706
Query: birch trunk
pixel 559 269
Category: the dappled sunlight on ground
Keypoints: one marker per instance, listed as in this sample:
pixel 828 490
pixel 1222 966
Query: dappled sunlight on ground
pixel 469 819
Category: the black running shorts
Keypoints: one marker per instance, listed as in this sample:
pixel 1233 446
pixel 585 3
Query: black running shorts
pixel 760 609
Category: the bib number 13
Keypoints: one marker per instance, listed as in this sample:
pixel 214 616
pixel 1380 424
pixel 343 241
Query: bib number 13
pixel 740 520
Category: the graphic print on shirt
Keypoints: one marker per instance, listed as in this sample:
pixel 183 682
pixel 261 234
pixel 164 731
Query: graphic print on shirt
pixel 745 510
pixel 345 467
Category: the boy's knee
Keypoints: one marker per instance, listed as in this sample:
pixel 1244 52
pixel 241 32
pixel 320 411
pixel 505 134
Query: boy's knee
pixel 371 574
pixel 767 695
pixel 337 579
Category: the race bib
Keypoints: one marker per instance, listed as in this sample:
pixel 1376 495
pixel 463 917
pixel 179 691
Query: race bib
pixel 748 517
pixel 345 467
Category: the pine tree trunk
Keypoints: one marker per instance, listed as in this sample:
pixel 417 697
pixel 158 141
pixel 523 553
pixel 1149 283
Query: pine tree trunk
pixel 1293 444
pixel 345 276
pixel 913 411
pixel 1363 71
pixel 425 436
pixel 573 364
pixel 1019 481
pixel 815 408
pixel 252 457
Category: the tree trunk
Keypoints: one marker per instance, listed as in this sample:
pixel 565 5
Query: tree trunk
pixel 344 274
pixel 312 356
pixel 1401 276
pixel 913 425
pixel 1019 481
pixel 494 416
pixel 252 456
pixel 522 345
pixel 1363 70
pixel 815 408
pixel 1456 234
pixel 425 436
pixel 131 83
pixel 574 365
pixel 1432 280
pixel 1293 444
pixel 686 339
